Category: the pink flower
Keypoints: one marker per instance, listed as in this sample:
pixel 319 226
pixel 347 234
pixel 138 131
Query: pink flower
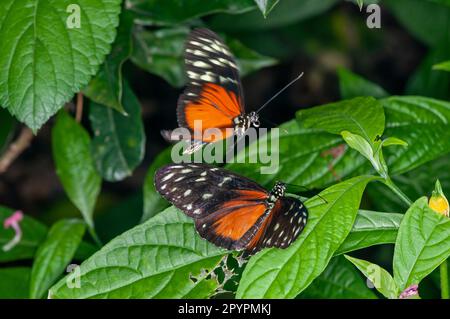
pixel 412 292
pixel 13 222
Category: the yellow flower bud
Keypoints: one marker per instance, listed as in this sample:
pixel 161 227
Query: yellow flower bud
pixel 438 202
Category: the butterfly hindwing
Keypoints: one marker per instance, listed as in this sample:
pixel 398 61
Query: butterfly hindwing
pixel 285 223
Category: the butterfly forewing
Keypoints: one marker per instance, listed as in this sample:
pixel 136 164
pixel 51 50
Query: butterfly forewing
pixel 200 189
pixel 229 210
pixel 213 94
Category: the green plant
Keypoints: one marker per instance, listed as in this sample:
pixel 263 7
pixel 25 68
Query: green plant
pixel 370 150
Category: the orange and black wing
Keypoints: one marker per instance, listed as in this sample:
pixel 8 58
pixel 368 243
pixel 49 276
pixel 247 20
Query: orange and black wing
pixel 214 93
pixel 227 208
pixel 230 210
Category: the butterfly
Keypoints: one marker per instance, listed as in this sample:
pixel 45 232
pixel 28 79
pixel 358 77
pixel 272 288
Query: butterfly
pixel 230 210
pixel 213 94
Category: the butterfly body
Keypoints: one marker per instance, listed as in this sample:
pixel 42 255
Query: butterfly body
pixel 232 211
pixel 213 95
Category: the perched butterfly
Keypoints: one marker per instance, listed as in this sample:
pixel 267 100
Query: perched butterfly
pixel 213 94
pixel 232 211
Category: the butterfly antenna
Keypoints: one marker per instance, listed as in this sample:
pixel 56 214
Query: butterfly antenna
pixel 307 189
pixel 280 91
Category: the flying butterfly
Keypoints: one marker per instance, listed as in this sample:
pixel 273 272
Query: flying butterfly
pixel 230 210
pixel 213 94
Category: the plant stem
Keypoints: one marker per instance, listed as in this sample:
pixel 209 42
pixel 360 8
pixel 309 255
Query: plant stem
pixel 388 181
pixel 444 280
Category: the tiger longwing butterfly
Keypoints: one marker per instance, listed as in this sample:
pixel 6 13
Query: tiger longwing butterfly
pixel 232 211
pixel 213 94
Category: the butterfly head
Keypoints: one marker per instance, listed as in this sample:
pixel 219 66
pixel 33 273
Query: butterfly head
pixel 277 191
pixel 243 122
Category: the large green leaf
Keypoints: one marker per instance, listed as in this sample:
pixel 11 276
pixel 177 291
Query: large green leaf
pixel 44 60
pixel 161 258
pixel 74 164
pixel 313 158
pixel 14 283
pixel 153 202
pixel 423 243
pixel 33 233
pixel 353 85
pixel 371 228
pixel 306 157
pixel 278 273
pixel 54 254
pixel 379 277
pixel 118 145
pixel 340 280
pixel 156 12
pixel 285 13
pixel 363 116
pixel 106 87
pixel 421 122
pixel 161 52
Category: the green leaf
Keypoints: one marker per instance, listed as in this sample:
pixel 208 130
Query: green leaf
pixel 353 85
pixel 160 52
pixel 156 259
pixel 45 60
pixel 371 228
pixel 358 143
pixel 266 6
pixel 379 277
pixel 33 233
pixel 363 116
pixel 106 87
pixel 443 66
pixel 393 141
pixel 426 20
pixel 14 283
pixel 54 254
pixel 421 122
pixel 315 159
pixel 278 273
pixel 118 145
pixel 307 157
pixel 155 12
pixel 74 164
pixel 153 202
pixel 340 280
pixel 423 243
pixel 286 12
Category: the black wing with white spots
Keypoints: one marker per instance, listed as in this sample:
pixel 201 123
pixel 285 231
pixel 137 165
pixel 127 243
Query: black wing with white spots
pixel 229 210
pixel 199 189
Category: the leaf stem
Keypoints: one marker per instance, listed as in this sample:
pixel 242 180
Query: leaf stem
pixel 444 280
pixel 388 182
